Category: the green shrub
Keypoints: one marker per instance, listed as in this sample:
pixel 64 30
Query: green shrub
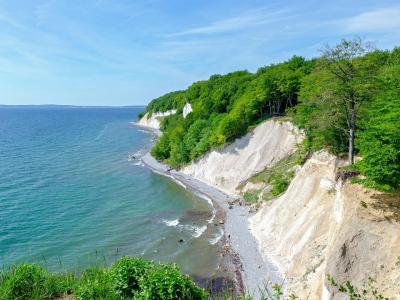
pixel 251 197
pixel 167 282
pixel 95 283
pixel 31 281
pixel 280 182
pixel 23 282
pixel 126 274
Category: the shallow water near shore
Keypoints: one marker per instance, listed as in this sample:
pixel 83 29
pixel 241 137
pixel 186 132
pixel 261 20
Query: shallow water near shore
pixel 69 194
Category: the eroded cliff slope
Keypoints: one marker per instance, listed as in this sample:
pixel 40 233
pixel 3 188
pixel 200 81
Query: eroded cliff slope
pixel 225 169
pixel 320 227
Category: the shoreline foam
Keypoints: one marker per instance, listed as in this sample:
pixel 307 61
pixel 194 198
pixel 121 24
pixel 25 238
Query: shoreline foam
pixel 251 269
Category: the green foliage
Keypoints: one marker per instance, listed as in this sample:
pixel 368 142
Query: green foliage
pixel 173 100
pixel 224 108
pixel 379 141
pixel 126 274
pixel 128 278
pixel 95 283
pixel 278 177
pixel 280 183
pixel 349 89
pixel 27 281
pixel 368 291
pixel 251 196
pixel 166 282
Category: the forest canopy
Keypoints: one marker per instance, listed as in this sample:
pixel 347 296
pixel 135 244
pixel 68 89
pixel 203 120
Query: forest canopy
pixel 347 101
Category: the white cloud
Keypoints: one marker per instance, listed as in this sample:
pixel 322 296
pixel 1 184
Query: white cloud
pixel 246 20
pixel 378 20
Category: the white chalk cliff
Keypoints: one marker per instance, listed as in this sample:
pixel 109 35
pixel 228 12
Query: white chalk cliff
pixel 153 121
pixel 225 169
pixel 319 226
pixel 187 109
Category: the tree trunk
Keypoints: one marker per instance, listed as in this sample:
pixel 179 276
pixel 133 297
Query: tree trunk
pixel 351 132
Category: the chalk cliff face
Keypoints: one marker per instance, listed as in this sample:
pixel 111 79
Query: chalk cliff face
pixel 187 109
pixel 268 143
pixel 153 121
pixel 319 227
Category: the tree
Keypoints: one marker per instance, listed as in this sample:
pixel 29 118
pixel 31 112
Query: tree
pixel 379 139
pixel 351 76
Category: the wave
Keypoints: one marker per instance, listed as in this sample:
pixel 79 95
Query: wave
pixel 171 223
pixel 197 231
pixel 216 237
pixel 200 195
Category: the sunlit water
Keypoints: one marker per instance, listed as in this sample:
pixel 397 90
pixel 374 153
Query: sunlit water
pixel 69 193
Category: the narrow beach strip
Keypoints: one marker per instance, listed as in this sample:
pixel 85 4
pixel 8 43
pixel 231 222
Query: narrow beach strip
pixel 256 273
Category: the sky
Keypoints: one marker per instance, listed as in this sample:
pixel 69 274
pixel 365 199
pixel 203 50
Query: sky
pixel 117 52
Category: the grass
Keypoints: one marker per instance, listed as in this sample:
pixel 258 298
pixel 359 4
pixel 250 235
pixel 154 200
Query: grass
pixel 128 278
pixel 251 196
pixel 134 278
pixel 277 177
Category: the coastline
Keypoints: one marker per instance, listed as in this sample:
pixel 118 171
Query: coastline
pixel 240 250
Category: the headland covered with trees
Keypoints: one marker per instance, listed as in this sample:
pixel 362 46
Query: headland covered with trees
pixel 347 101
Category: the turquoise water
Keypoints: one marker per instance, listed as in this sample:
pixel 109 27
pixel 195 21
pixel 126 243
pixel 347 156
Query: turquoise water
pixel 69 194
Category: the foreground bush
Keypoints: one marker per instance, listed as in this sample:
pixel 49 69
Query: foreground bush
pixel 126 274
pixel 33 282
pixel 166 282
pixel 128 278
pixel 95 283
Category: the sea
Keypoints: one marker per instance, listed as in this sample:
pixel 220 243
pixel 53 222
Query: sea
pixel 74 193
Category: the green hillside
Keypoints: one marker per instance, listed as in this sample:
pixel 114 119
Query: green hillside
pixel 347 101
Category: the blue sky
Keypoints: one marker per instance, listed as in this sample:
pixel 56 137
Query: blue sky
pixel 115 52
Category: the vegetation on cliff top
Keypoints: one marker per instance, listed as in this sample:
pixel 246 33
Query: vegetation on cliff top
pixel 347 100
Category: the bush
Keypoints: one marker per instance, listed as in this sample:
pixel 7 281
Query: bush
pixel 280 182
pixel 128 278
pixel 126 274
pixel 95 283
pixel 31 281
pixel 166 282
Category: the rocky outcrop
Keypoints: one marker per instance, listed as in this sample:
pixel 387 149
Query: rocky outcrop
pixel 227 168
pixel 153 120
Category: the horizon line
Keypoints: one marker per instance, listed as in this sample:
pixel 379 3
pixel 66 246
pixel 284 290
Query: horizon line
pixel 71 105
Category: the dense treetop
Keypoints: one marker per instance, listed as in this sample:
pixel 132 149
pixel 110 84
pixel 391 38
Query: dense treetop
pixel 348 91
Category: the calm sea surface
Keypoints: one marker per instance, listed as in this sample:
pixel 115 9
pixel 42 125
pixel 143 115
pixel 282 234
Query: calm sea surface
pixel 69 195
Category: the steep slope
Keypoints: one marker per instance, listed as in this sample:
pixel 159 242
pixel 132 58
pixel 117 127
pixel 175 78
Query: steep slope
pixel 225 169
pixel 317 227
pixel 153 121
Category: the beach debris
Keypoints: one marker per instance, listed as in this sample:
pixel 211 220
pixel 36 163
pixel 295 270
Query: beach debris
pixel 221 222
